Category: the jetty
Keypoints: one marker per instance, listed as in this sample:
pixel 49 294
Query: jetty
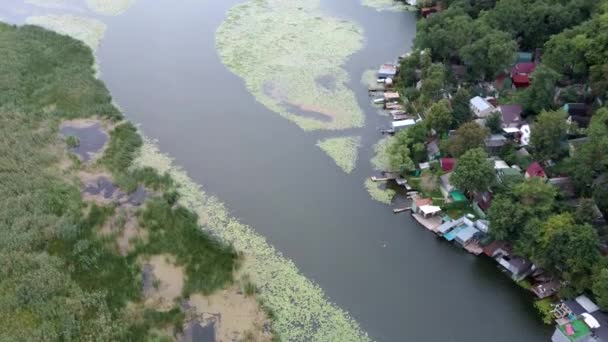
pixel 430 223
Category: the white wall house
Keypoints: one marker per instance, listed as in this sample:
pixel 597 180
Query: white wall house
pixel 480 107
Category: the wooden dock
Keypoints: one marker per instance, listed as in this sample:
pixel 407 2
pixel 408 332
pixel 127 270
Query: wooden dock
pixel 431 223
pixel 474 248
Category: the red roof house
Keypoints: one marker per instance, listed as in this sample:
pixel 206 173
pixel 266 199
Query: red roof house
pixel 523 68
pixel 496 248
pixel 535 170
pixel 447 164
pixel 521 81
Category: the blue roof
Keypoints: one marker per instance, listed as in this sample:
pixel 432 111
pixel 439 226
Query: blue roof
pixel 466 234
pixel 446 226
pixel 452 235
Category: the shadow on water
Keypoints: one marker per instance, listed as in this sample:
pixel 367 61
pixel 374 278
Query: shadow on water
pixel 397 280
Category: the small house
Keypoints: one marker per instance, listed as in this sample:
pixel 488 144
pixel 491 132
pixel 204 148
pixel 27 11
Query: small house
pixel 524 135
pixel 535 170
pixel 564 185
pixel 546 289
pixel 387 70
pixel 466 235
pixel 429 210
pixel 521 81
pixel 524 57
pixel 579 113
pixel 500 164
pixel 508 175
pixel 446 187
pixel 497 248
pixel 391 96
pixel 419 202
pixel 511 115
pixel 523 68
pixel 447 164
pixel 517 267
pixel 426 11
pixel 481 107
pixel 580 320
pixel 495 142
pixel 432 150
pixel 482 201
pixel 402 124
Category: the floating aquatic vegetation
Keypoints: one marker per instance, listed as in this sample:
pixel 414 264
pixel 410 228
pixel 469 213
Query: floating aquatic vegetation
pixel 388 5
pixel 380 161
pixel 301 310
pixel 379 192
pixel 282 48
pixel 343 150
pixel 370 78
pixel 88 30
pixel 109 7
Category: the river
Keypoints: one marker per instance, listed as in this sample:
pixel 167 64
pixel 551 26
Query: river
pixel 395 278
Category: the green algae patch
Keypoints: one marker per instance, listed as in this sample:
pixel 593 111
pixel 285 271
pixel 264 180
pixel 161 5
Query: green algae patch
pixel 301 311
pixel 109 7
pixel 379 192
pixel 388 5
pixel 343 150
pixel 380 161
pixel 282 49
pixel 88 30
pixel 370 78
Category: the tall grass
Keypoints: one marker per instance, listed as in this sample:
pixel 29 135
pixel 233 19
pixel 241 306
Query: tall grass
pixel 58 279
pixel 175 230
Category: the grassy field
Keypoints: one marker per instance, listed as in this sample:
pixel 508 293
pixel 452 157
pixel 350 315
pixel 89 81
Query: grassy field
pixel 60 279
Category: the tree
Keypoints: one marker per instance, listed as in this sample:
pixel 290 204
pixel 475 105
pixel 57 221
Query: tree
pixel 433 83
pixel 399 153
pixel 494 122
pixel 468 136
pixel 539 95
pixel 439 116
pixel 473 172
pixel 536 196
pixel 444 33
pixel 548 132
pixel 568 248
pixel 490 54
pixel 460 106
pixel 507 218
pixel 600 288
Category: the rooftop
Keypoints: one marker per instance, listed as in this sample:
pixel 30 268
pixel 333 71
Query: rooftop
pixel 579 330
pixel 480 103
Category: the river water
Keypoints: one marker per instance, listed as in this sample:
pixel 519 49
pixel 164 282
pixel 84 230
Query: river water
pixel 395 278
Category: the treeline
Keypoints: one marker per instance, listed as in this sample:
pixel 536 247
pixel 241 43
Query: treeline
pixel 59 279
pixel 466 46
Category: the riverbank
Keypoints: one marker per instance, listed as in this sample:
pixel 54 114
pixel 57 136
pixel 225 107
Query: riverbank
pixel 274 276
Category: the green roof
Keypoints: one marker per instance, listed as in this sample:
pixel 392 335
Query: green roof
pixel 510 172
pixel 458 196
pixel 524 57
pixel 580 330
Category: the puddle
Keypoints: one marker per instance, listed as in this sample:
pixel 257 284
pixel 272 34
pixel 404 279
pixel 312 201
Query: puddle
pixel 101 190
pixel 91 136
pixel 199 332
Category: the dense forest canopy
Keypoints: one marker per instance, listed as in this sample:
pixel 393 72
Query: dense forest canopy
pixel 565 44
